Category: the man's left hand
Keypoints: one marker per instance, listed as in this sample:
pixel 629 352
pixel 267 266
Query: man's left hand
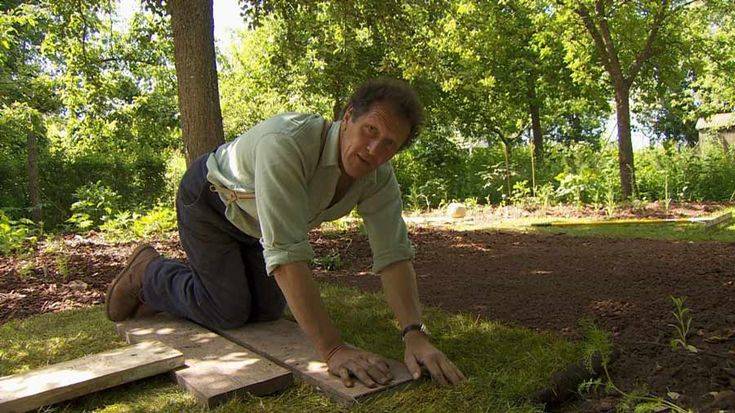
pixel 420 352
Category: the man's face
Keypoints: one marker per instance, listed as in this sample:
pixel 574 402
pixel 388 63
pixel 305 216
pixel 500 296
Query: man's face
pixel 370 140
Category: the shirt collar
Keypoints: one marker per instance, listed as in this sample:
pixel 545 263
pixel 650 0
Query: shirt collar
pixel 330 154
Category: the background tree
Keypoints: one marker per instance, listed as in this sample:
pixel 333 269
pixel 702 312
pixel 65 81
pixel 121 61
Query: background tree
pixel 96 101
pixel 712 28
pixel 196 74
pixel 25 98
pixel 625 36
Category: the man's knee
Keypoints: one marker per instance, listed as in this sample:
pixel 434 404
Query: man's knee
pixel 231 314
pixel 271 312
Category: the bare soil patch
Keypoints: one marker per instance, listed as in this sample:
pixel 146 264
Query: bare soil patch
pixel 550 282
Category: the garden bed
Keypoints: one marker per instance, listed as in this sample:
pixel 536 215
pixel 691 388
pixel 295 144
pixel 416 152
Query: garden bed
pixel 551 282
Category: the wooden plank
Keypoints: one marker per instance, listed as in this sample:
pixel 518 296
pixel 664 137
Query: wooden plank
pixel 283 342
pixel 217 369
pixel 717 221
pixel 74 378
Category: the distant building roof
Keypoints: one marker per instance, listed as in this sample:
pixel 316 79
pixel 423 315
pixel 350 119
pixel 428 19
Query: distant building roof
pixel 718 121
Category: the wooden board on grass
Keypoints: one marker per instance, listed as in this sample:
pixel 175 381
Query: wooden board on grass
pixel 74 378
pixel 283 342
pixel 217 369
pixel 717 221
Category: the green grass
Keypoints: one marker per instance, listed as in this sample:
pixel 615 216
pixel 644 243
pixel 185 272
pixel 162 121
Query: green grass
pixel 504 365
pixel 672 232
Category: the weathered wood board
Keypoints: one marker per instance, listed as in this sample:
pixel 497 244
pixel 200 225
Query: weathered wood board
pixel 75 378
pixel 217 369
pixel 285 343
pixel 717 221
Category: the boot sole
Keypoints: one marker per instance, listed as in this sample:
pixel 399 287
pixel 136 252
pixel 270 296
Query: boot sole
pixel 133 256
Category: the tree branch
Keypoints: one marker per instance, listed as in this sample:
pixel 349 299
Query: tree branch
pixel 588 22
pixel 647 50
pixel 126 59
pixel 616 70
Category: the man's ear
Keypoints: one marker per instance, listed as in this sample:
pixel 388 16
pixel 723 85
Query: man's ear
pixel 348 114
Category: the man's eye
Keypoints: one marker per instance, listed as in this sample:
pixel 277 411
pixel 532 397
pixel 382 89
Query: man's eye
pixel 372 129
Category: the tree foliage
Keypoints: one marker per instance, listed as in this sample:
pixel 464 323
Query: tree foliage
pixel 93 97
pixel 97 93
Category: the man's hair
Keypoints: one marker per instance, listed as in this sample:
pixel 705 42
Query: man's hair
pixel 397 94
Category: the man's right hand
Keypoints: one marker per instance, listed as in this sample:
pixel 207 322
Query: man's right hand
pixel 371 369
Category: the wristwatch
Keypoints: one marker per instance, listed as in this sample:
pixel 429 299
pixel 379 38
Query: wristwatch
pixel 419 327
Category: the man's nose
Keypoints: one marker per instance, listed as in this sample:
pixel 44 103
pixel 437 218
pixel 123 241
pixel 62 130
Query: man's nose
pixel 373 147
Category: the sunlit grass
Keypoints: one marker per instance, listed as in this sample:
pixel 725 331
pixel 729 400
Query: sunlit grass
pixel 504 364
pixel 663 231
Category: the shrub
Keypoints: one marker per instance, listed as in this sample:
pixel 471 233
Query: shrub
pixel 126 226
pixel 16 234
pixel 94 204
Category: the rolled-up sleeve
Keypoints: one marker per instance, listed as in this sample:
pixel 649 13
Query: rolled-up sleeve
pixel 282 202
pixel 387 233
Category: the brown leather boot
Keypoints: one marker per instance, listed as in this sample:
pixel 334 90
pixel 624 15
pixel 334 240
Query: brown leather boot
pixel 123 294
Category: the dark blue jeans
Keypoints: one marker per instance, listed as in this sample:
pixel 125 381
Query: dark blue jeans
pixel 225 284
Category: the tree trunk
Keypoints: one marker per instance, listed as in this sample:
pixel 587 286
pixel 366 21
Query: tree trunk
pixel 625 145
pixel 506 153
pixel 535 111
pixel 337 109
pixel 196 74
pixel 34 192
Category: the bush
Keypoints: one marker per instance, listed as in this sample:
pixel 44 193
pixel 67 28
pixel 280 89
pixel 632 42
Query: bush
pixel 94 204
pixel 687 174
pixel 16 234
pixel 126 226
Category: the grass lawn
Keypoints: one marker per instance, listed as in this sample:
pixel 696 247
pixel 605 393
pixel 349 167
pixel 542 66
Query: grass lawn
pixel 668 231
pixel 504 364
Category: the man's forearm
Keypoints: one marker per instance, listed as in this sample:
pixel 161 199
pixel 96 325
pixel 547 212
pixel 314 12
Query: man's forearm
pixel 401 292
pixel 302 294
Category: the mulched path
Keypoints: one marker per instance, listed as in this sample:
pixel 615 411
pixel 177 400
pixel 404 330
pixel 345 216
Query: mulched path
pixel 540 281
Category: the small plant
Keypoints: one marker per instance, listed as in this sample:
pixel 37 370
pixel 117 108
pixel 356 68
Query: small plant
pixel 119 227
pixel 638 205
pixel 26 269
pixel 520 194
pixel 413 198
pixel 610 204
pixel 597 341
pixel 471 203
pixel 126 226
pixel 667 196
pixel 62 266
pixel 158 221
pixel 330 262
pixel 545 195
pixel 16 234
pixel 682 326
pixel 571 187
pixel 53 245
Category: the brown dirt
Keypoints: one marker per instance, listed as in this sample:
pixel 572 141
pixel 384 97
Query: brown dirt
pixel 550 282
pixel 543 282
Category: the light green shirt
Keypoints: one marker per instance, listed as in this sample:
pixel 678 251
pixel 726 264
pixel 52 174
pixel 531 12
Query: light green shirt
pixel 279 161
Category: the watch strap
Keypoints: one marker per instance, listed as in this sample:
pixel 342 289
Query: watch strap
pixel 411 327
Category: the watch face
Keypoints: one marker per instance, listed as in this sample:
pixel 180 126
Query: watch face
pixel 424 329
